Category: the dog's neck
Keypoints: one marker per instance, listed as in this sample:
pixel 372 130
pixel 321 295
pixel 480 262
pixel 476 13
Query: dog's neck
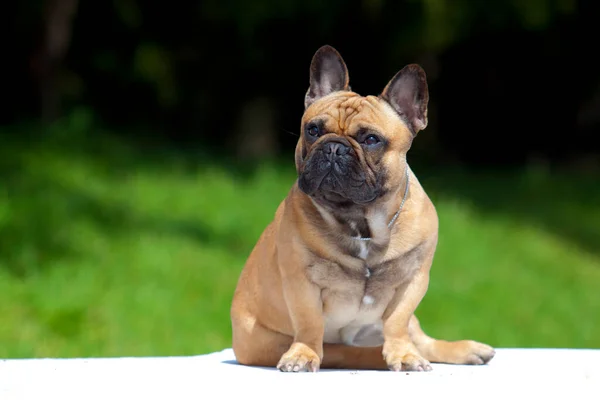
pixel 379 218
pixel 373 224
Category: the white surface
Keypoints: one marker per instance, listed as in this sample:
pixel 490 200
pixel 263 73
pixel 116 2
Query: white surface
pixel 519 373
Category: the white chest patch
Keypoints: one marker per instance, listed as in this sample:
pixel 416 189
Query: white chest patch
pixel 378 223
pixel 368 300
pixel 364 251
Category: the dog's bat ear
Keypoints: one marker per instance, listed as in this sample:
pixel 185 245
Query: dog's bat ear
pixel 328 74
pixel 408 94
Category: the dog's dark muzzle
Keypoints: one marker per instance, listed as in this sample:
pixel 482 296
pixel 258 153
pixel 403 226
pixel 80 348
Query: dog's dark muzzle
pixel 333 170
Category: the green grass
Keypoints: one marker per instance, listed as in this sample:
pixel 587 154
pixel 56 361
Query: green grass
pixel 110 251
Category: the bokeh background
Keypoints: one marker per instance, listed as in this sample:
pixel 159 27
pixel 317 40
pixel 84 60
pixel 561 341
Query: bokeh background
pixel 145 146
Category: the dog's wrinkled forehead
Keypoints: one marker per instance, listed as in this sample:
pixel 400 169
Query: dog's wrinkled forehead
pixel 344 112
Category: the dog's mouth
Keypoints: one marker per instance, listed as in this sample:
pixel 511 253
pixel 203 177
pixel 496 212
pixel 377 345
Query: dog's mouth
pixel 336 189
pixel 338 184
pixel 341 200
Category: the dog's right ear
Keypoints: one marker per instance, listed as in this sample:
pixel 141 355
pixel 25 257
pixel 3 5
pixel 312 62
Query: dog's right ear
pixel 328 74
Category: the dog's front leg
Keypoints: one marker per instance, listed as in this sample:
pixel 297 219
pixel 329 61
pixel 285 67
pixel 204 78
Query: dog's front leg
pixel 398 349
pixel 303 299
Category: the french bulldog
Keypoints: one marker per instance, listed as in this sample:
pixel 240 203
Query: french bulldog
pixel 335 279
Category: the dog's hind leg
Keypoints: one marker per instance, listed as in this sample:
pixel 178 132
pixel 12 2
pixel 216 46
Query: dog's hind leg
pixel 256 345
pixel 441 351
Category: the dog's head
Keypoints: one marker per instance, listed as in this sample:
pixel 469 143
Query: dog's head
pixel 352 149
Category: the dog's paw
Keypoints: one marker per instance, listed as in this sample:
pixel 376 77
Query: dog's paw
pixel 401 355
pixel 408 362
pixel 299 358
pixel 473 353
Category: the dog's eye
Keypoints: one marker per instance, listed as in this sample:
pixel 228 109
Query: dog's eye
pixel 371 140
pixel 313 130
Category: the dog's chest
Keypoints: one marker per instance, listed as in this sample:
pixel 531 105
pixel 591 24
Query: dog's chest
pixel 360 287
pixel 355 294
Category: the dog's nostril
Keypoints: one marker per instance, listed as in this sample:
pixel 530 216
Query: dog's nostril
pixel 342 149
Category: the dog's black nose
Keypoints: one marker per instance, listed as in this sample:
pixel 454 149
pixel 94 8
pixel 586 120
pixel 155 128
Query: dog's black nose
pixel 335 149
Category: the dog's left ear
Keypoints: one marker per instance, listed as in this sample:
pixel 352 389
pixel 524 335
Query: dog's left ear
pixel 408 94
pixel 328 74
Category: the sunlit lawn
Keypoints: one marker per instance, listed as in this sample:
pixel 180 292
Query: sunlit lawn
pixel 108 252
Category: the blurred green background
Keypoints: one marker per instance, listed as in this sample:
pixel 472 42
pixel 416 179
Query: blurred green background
pixel 145 146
